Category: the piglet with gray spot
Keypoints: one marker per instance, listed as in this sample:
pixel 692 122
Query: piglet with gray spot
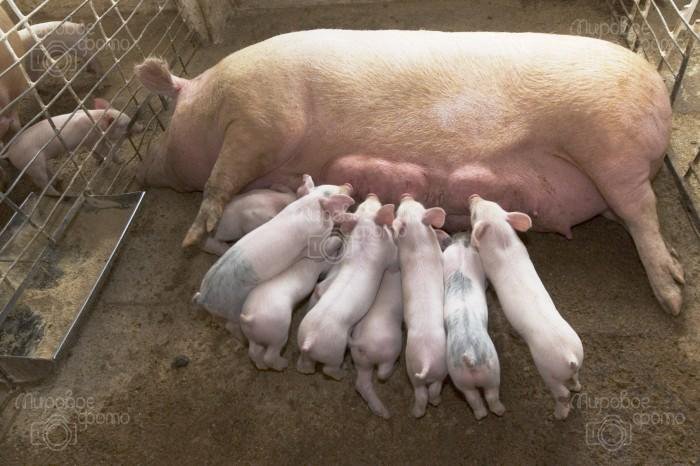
pixel 270 249
pixel 472 360
pixel 554 345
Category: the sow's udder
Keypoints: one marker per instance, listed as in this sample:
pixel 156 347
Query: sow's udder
pixel 554 192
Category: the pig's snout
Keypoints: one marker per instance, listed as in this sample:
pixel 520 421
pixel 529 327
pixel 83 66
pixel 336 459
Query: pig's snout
pixel 473 199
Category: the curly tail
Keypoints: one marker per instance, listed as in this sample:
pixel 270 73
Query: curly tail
pixel 154 74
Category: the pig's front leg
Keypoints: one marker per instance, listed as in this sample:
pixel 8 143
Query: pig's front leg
pixel 242 159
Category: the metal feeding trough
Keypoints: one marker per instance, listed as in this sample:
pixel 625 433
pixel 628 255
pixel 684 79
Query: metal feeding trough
pixel 43 302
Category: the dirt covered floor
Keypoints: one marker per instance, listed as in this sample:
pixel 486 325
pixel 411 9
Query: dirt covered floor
pixel 122 400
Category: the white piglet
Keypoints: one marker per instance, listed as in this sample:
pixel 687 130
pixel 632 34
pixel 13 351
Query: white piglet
pixel 472 360
pixel 267 312
pixel 422 287
pixel 245 213
pixel 271 249
pixel 376 340
pixel 324 331
pixel 554 345
pixel 76 130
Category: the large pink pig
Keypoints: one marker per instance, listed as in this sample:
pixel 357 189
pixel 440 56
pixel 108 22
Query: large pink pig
pixel 561 127
pixel 554 345
pixel 324 331
pixel 270 249
pixel 422 285
pixel 472 360
pixel 376 340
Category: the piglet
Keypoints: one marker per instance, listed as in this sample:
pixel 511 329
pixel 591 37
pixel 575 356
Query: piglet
pixel 472 360
pixel 420 258
pixel 39 143
pixel 324 331
pixel 376 340
pixel 267 312
pixel 245 213
pixel 554 345
pixel 270 249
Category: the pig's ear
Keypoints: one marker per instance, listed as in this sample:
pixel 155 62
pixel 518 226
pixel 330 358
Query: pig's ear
pixel 100 104
pixel 398 228
pixel 336 204
pixel 385 215
pixel 435 217
pixel 347 222
pixel 443 238
pixel 519 221
pixel 307 185
pixel 478 232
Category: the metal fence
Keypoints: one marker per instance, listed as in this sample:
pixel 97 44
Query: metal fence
pixel 51 66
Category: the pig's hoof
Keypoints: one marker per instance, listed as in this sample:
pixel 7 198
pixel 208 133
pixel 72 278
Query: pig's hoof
pixel 335 373
pixel 206 220
pixel 278 364
pixel 497 408
pixel 480 413
pixel 381 411
pixel 561 411
pixel 418 411
pixel 305 366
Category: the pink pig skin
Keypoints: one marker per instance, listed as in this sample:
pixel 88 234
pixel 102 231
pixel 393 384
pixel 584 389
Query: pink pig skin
pixel 267 312
pixel 561 127
pixel 472 360
pixel 270 249
pixel 376 340
pixel 554 345
pixel 245 213
pixel 324 331
pixel 422 286
pixel 77 127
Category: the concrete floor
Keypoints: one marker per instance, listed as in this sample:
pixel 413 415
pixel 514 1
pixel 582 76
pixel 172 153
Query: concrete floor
pixel 220 409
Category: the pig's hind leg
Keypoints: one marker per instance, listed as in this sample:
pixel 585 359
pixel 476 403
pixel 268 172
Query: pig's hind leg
pixel 273 358
pixel 256 353
pixel 305 364
pixel 365 387
pixel 420 402
pixel 385 369
pixel 561 397
pixel 434 390
pixel 494 401
pixel 473 397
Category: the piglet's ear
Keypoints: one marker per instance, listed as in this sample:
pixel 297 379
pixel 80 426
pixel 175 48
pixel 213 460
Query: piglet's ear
pixel 519 221
pixel 347 222
pixel 336 204
pixel 100 104
pixel 385 215
pixel 435 217
pixel 307 185
pixel 443 238
pixel 478 232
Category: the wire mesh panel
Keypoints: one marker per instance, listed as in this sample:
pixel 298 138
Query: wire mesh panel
pixel 667 35
pixel 74 121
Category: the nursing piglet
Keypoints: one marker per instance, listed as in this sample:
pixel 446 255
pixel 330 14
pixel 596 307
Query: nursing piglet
pixel 472 360
pixel 376 340
pixel 324 331
pixel 422 287
pixel 245 213
pixel 267 312
pixel 271 249
pixel 76 130
pixel 554 345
